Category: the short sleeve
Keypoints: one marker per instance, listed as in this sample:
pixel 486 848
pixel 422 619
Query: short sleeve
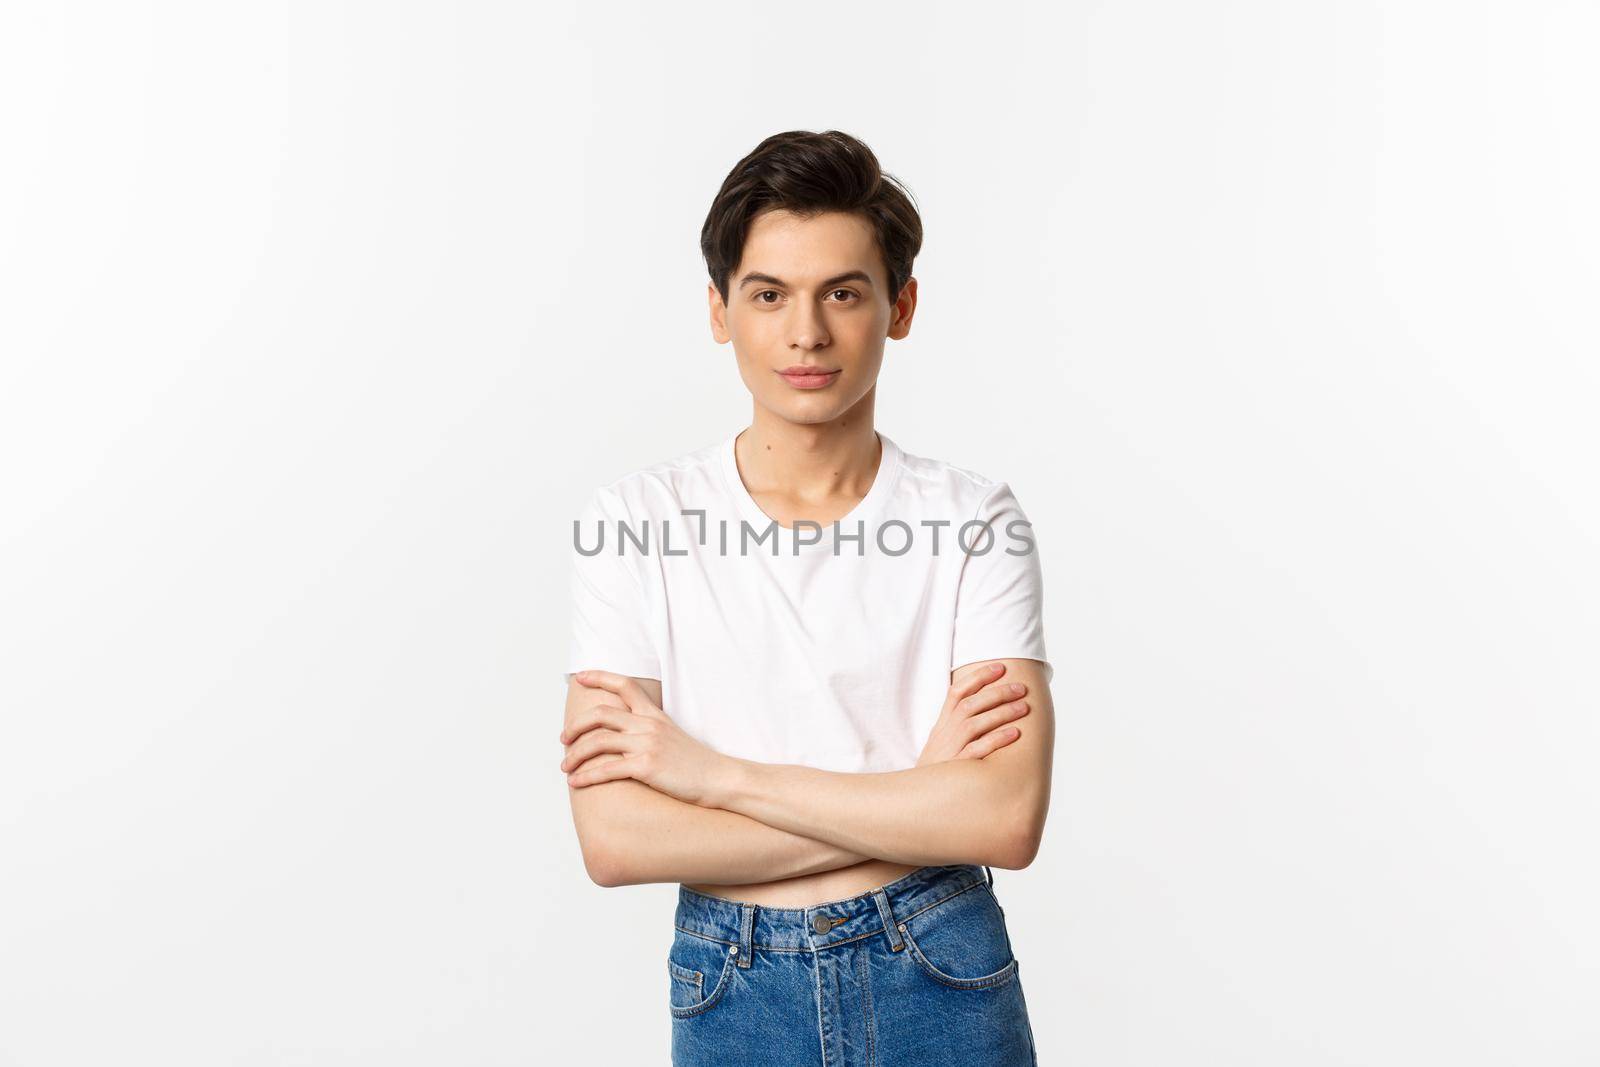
pixel 1000 599
pixel 610 612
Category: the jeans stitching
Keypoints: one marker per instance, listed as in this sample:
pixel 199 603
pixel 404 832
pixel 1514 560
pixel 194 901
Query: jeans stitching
pixel 678 970
pixel 715 995
pixel 1004 974
pixel 866 996
pixel 831 944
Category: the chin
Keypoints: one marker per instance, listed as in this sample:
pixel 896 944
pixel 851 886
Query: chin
pixel 804 413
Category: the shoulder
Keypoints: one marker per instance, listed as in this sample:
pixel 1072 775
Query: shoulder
pixel 659 489
pixel 952 487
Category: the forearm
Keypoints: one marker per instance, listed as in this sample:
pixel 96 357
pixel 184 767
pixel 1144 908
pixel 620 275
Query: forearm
pixel 637 835
pixel 959 811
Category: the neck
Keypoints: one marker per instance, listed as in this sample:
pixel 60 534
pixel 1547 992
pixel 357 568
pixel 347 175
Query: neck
pixel 810 462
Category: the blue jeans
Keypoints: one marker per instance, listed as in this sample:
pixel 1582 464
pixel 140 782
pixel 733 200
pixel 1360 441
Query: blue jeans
pixel 918 972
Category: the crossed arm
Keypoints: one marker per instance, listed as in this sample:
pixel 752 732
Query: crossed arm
pixel 722 820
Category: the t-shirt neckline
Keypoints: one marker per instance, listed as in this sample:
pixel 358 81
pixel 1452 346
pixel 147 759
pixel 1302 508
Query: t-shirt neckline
pixel 866 508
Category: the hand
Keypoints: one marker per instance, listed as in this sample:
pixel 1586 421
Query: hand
pixel 655 749
pixel 974 720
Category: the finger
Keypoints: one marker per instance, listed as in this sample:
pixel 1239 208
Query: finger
pixel 991 742
pixel 624 686
pixel 971 684
pixel 979 725
pixel 976 680
pixel 587 719
pixel 988 697
pixel 598 679
pixel 593 743
pixel 601 772
pixel 596 760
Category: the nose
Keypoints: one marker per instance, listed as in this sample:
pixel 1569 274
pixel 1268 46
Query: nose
pixel 806 328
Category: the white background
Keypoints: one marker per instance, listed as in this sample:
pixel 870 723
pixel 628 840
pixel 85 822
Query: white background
pixel 319 320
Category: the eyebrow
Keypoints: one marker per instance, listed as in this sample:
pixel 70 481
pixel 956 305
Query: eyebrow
pixel 767 279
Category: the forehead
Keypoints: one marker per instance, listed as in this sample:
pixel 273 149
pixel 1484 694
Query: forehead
pixel 795 248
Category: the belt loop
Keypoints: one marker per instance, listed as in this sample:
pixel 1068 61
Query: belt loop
pixel 887 914
pixel 747 926
pixel 991 875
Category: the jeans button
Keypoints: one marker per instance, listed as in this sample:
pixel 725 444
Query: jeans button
pixel 821 924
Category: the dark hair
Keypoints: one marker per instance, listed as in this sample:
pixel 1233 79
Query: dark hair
pixel 809 173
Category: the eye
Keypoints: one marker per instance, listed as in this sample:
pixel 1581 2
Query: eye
pixel 846 292
pixel 763 293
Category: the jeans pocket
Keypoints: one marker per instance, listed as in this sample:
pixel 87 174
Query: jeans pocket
pixel 698 973
pixel 962 942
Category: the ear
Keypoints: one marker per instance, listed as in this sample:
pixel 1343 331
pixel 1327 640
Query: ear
pixel 719 314
pixel 904 307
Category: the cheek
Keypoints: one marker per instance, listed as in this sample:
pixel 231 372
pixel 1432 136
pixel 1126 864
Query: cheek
pixel 874 324
pixel 753 332
pixel 752 368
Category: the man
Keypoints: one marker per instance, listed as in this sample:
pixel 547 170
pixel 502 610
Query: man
pixel 808 679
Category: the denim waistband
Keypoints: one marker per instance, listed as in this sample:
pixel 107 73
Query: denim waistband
pixel 797 929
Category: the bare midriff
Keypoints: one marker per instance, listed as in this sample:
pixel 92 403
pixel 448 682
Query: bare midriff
pixel 809 889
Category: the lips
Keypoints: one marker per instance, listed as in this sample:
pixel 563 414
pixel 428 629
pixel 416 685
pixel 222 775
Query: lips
pixel 808 377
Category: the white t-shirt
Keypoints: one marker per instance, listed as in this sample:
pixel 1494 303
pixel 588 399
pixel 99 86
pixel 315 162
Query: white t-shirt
pixel 794 645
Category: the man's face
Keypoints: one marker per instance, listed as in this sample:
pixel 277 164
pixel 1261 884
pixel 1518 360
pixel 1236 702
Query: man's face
pixel 810 293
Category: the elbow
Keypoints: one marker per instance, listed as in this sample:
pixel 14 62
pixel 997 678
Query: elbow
pixel 600 870
pixel 609 853
pixel 606 869
pixel 613 861
pixel 1018 849
pixel 605 859
pixel 1019 845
